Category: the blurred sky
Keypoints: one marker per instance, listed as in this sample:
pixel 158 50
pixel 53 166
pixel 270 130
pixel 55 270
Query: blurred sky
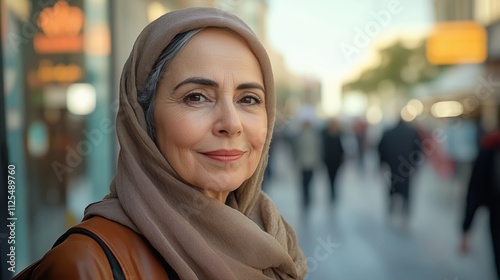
pixel 311 34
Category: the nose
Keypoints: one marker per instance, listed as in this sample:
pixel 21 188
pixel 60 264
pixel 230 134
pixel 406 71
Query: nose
pixel 228 121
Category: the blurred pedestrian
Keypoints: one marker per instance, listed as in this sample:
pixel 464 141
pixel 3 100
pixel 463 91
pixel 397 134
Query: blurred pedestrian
pixel 360 131
pixel 399 149
pixel 268 172
pixel 333 152
pixel 484 190
pixel 308 149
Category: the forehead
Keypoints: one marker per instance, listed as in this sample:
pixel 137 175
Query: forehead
pixel 214 48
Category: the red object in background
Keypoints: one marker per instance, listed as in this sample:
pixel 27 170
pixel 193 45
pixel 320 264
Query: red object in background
pixel 436 154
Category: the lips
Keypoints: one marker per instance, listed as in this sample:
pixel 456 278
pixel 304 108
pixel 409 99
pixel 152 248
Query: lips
pixel 224 155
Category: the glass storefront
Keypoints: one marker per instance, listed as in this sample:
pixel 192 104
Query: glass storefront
pixel 59 114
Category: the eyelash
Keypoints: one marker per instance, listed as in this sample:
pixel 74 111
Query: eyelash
pixel 254 97
pixel 186 100
pixel 192 94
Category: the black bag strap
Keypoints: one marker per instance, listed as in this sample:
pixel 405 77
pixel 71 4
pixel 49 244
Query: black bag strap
pixel 113 262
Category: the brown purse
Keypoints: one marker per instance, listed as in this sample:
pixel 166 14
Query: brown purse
pixel 117 242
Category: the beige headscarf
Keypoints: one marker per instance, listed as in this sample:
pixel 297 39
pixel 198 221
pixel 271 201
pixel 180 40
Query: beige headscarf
pixel 201 238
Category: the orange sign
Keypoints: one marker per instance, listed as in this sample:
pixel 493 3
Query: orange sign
pixel 61 26
pixel 61 73
pixel 456 43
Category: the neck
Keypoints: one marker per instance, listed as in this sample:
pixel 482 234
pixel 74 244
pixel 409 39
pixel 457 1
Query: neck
pixel 220 196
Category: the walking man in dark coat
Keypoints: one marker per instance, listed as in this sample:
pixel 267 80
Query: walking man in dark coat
pixel 333 153
pixel 399 149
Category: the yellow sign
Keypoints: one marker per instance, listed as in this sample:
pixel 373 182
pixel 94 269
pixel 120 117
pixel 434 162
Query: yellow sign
pixel 456 43
pixel 61 73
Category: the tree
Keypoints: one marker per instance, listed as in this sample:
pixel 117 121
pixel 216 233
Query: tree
pixel 402 65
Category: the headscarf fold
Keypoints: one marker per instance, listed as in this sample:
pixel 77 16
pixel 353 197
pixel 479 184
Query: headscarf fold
pixel 201 238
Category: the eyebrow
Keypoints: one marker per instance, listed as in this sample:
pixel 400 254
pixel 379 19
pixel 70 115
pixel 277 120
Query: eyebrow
pixel 212 83
pixel 198 81
pixel 251 86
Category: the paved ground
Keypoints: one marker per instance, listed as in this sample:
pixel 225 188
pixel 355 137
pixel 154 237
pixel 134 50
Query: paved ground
pixel 354 239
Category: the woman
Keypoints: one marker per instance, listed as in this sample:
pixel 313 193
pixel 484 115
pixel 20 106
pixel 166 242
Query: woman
pixel 194 125
pixel 484 190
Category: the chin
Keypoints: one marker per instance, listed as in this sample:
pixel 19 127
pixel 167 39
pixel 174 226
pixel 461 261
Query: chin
pixel 224 184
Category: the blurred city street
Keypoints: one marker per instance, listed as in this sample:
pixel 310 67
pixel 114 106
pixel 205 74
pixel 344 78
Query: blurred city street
pixel 412 84
pixel 353 238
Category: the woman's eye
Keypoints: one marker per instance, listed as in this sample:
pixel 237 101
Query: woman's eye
pixel 250 100
pixel 194 98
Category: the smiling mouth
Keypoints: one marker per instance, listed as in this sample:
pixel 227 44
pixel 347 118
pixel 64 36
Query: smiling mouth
pixel 224 155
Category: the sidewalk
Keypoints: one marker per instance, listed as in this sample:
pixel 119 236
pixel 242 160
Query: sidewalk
pixel 353 239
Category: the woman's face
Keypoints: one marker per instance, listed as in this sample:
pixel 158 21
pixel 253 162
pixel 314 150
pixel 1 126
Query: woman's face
pixel 210 113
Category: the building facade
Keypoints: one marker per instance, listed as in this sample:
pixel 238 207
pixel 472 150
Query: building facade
pixel 58 112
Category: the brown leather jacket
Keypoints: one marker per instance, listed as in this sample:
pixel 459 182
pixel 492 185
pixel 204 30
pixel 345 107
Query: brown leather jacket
pixel 81 257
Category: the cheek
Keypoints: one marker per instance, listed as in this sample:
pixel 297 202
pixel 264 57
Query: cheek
pixel 256 138
pixel 257 131
pixel 184 131
pixel 175 132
